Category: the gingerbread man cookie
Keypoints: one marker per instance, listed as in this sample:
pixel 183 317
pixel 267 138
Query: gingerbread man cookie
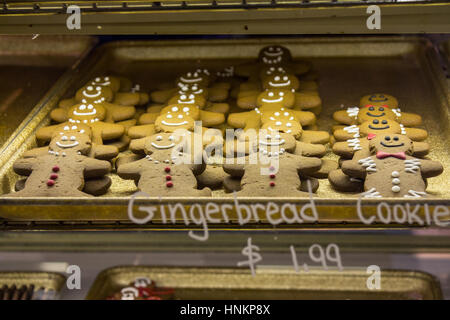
pixel 63 169
pixel 391 170
pixel 168 168
pixel 271 168
pixel 271 56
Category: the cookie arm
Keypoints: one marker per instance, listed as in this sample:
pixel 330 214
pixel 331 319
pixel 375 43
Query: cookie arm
pixel 430 168
pixel 59 115
pixel 307 165
pixel 111 130
pixel 148 118
pixel 130 170
pixel 67 103
pixel 217 94
pixel 247 99
pixel 353 169
pixel 138 145
pixel 120 113
pixel 96 168
pixel 210 119
pixel 239 119
pixel 24 166
pixel 416 134
pixel 218 107
pixel 420 149
pixel 103 152
pixel 137 132
pixel 126 98
pixel 342 116
pixel 305 118
pixel 309 149
pixel 307 100
pixel 162 96
pixel 36 152
pixel 311 136
pixel 410 119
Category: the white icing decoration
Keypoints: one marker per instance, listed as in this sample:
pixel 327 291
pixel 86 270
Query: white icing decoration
pixel 369 164
pixel 353 111
pixel 412 165
pixel 372 193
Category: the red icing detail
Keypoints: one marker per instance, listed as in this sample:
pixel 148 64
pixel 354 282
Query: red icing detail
pixel 168 178
pixel 368 105
pixel 169 184
pixel 370 136
pixel 272 176
pixel 53 176
pixel 398 155
pixel 50 183
pixel 272 184
pixel 55 169
pixel 167 169
pixel 385 106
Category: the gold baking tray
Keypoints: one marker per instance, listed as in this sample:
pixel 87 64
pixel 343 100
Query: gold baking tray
pixel 29 66
pixel 44 285
pixel 271 283
pixel 348 68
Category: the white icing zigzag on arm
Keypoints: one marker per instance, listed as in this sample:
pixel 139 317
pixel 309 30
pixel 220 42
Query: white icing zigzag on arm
pixel 353 111
pixel 353 129
pixel 354 143
pixel 415 194
pixel 412 165
pixel 372 193
pixel 369 164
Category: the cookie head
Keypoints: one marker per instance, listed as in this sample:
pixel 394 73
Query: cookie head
pixel 286 82
pixel 281 121
pixel 274 55
pixel 72 138
pixel 391 144
pixel 163 141
pixel 268 71
pixel 87 113
pixel 380 126
pixel 188 99
pixel 276 98
pixel 94 94
pixel 192 89
pixel 198 77
pixel 379 99
pixel 175 118
pixel 275 142
pixel 107 81
pixel 371 112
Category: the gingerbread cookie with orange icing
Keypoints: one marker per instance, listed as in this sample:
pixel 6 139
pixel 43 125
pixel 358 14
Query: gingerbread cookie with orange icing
pixel 169 165
pixel 62 171
pixel 391 170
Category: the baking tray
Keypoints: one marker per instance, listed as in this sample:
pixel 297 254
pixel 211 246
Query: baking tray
pixel 348 68
pixel 29 67
pixel 269 283
pixel 41 285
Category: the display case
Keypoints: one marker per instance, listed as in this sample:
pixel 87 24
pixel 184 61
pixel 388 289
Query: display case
pixel 319 243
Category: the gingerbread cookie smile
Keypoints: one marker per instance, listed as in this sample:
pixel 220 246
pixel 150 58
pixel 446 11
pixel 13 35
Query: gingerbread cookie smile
pixel 388 142
pixel 376 122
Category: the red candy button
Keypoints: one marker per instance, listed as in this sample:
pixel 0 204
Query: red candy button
pixel 272 184
pixel 169 184
pixel 50 183
pixel 167 169
pixel 168 178
pixel 55 169
pixel 272 176
pixel 53 176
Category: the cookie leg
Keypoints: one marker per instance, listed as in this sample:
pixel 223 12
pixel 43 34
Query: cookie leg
pixel 304 184
pixel 231 184
pixel 327 166
pixel 98 186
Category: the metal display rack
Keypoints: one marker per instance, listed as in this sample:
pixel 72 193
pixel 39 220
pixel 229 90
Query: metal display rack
pixel 223 17
pixel 401 247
